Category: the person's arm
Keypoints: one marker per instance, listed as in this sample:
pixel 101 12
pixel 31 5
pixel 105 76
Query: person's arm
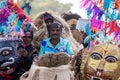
pixel 69 49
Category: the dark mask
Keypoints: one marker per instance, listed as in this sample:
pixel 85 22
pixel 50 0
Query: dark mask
pixel 8 53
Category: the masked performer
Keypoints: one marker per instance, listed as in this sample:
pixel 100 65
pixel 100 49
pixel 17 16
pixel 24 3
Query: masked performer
pixel 8 58
pixel 101 63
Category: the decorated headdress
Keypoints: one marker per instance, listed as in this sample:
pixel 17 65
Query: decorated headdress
pixel 13 22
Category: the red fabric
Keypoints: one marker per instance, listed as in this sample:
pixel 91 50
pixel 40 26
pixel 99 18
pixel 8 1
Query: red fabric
pixel 24 45
pixel 113 27
pixel 6 76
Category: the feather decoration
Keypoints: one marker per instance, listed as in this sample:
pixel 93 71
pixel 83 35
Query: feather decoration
pixel 88 13
pixel 101 36
pixel 95 10
pixel 1 28
pixel 97 2
pixel 91 9
pixel 107 4
pixel 87 39
pixel 84 3
pixel 118 23
pixel 88 32
pixel 18 26
pixel 4 13
pixel 109 15
pixel 6 30
pixel 21 33
pixel 113 27
pixel 116 36
pixel 100 14
pixel 96 25
pixel 112 14
pixel 27 7
pixel 3 4
pixel 12 17
pixel 118 16
pixel 81 24
pixel 90 35
pixel 87 29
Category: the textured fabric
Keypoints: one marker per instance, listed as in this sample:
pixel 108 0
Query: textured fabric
pixel 44 73
pixel 63 46
pixel 53 60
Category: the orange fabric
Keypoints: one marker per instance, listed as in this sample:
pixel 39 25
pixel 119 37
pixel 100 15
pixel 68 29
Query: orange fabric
pixel 116 4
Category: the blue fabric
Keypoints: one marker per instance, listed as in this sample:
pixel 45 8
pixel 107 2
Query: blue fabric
pixel 18 26
pixel 27 7
pixel 3 4
pixel 1 28
pixel 107 4
pixel 12 17
pixel 63 46
pixel 87 29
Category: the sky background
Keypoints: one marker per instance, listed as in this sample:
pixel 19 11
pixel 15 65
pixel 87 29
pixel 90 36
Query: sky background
pixel 75 8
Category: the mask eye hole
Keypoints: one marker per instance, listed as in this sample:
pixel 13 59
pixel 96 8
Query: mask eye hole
pixel 5 52
pixel 111 59
pixel 96 56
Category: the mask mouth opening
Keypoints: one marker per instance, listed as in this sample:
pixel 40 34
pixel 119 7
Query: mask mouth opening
pixel 7 70
pixel 8 66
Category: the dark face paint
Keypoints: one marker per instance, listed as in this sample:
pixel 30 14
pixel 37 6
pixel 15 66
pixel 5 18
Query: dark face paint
pixel 8 53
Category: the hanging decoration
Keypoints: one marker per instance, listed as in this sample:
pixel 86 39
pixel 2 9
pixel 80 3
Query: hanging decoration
pixel 104 16
pixel 27 7
pixel 91 9
pixel 12 19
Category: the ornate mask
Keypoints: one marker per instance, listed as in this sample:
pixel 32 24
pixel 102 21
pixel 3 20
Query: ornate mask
pixel 102 63
pixel 8 54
